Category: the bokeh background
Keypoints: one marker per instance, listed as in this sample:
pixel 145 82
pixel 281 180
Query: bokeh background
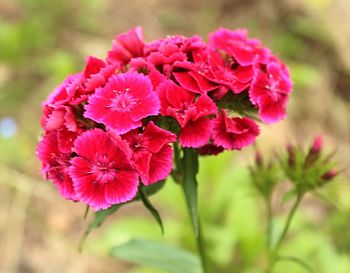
pixel 41 41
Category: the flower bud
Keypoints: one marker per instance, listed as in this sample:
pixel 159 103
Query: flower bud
pixel 329 175
pixel 317 145
pixel 314 151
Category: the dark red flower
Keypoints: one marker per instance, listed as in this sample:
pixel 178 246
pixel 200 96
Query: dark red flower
pixel 234 133
pixel 102 171
pixel 191 112
pixel 55 165
pixel 210 149
pixel 152 152
pixel 123 102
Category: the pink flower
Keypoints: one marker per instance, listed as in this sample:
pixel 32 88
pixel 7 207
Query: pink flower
pixel 164 53
pixel 152 152
pixel 190 111
pixel 59 117
pixel 211 72
pixel 127 46
pixel 142 66
pixel 55 165
pixel 95 74
pixel 236 44
pixel 269 91
pixel 124 101
pixel 234 133
pixel 102 171
pixel 64 92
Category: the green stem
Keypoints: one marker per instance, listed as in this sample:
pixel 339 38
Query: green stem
pixel 289 221
pixel 273 255
pixel 201 249
pixel 269 229
pixel 189 186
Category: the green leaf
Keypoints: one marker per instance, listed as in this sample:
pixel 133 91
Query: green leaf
pixel 190 185
pixel 100 217
pixel 296 260
pixel 154 188
pixel 157 256
pixel 148 205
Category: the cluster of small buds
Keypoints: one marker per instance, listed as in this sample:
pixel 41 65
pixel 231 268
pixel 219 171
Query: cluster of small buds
pixel 312 169
pixel 307 171
pixel 111 127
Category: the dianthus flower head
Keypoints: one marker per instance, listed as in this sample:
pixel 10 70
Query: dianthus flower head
pixel 102 171
pixel 111 126
pixel 124 101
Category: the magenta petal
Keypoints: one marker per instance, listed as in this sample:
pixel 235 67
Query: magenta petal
pixel 87 189
pixel 150 107
pixel 161 164
pixel 55 120
pixel 121 122
pixel 204 85
pixel 234 133
pixel 142 159
pixel 196 133
pixel 154 137
pixel 65 187
pixel 186 81
pixel 123 102
pixel 205 106
pixel 123 189
pixel 177 96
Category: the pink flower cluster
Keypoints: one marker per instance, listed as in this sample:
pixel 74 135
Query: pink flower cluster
pixel 111 127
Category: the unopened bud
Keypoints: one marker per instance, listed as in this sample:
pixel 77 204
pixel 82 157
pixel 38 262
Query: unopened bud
pixel 317 145
pixel 314 151
pixel 329 175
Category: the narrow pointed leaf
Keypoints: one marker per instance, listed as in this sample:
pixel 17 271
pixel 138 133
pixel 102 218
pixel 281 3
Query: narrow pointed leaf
pixel 148 205
pixel 157 256
pixel 154 188
pixel 100 217
pixel 190 185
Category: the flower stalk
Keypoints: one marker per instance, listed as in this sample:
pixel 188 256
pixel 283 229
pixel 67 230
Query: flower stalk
pixel 190 190
pixel 273 251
